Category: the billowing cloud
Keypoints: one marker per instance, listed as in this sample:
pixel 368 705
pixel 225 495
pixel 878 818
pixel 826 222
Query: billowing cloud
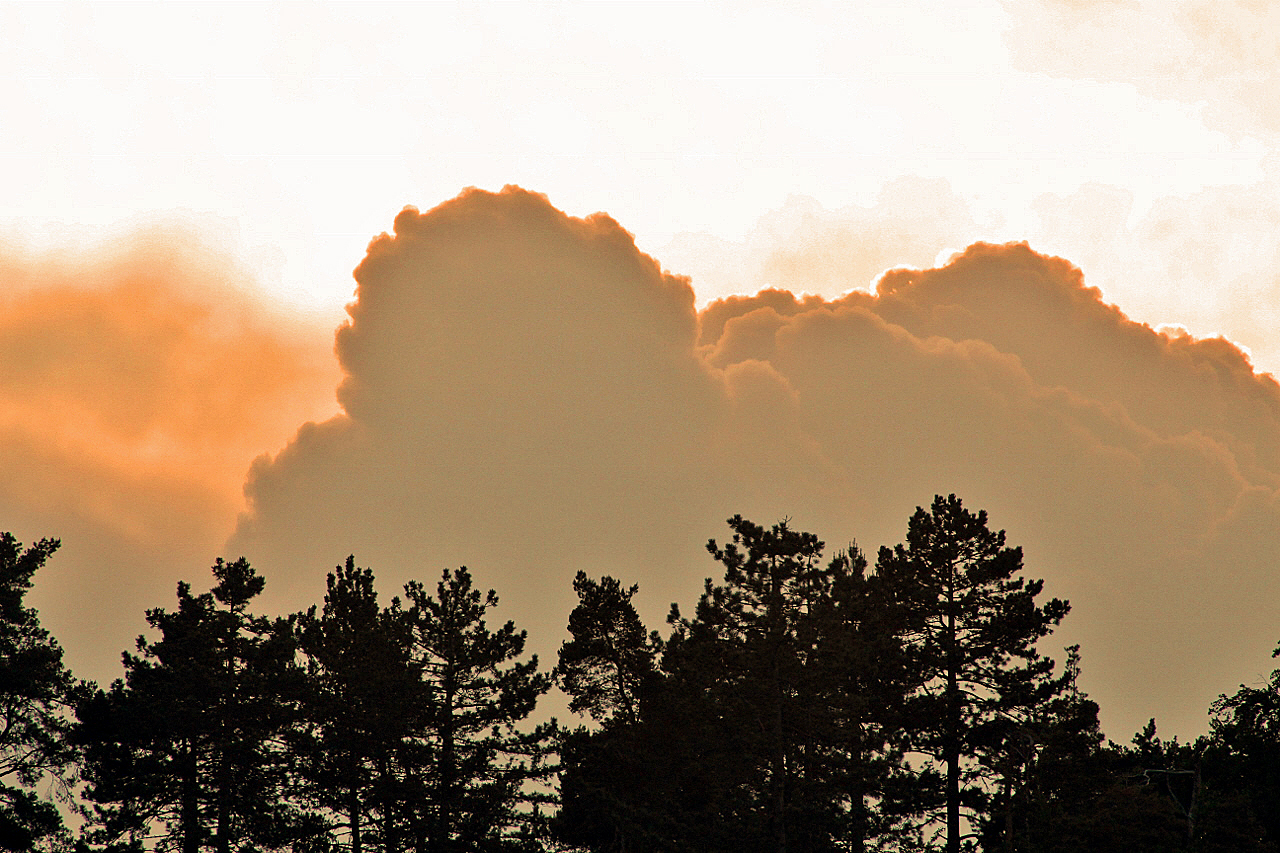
pixel 1206 261
pixel 138 380
pixel 528 394
pixel 521 392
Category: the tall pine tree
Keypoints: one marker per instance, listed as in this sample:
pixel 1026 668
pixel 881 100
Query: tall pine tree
pixel 972 624
pixel 476 788
pixel 363 703
pixel 772 723
pixel 802 656
pixel 610 789
pixel 610 661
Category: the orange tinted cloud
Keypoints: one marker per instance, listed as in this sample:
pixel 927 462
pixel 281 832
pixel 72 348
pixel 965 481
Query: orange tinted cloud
pixel 528 394
pixel 138 380
pixel 520 391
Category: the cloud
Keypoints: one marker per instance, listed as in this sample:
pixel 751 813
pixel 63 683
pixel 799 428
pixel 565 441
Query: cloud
pixel 138 379
pixel 528 394
pixel 1207 261
pixel 521 391
pixel 806 248
pixel 1222 53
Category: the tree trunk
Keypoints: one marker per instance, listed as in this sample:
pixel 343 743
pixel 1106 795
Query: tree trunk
pixel 390 843
pixel 353 818
pixel 858 823
pixel 779 776
pixel 190 803
pixel 953 800
pixel 222 840
pixel 952 738
pixel 447 770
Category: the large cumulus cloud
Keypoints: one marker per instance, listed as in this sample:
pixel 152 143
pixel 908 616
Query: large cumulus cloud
pixel 528 394
pixel 521 393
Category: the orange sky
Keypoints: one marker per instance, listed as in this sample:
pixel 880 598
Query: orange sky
pixel 530 392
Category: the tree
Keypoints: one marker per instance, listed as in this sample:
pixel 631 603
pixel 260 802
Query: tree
pixel 811 659
pixel 972 625
pixel 1241 773
pixel 610 659
pixel 608 788
pixel 186 752
pixel 744 653
pixel 474 789
pixel 1052 778
pixel 363 703
pixel 36 692
pixel 792 662
pixel 770 723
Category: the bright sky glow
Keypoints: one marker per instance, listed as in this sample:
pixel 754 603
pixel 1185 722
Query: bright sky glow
pixel 306 128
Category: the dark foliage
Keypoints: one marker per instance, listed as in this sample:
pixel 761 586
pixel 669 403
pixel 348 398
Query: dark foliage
pixel 768 725
pixel 36 692
pixel 807 705
pixel 979 714
pixel 187 752
pixel 476 784
pixel 363 705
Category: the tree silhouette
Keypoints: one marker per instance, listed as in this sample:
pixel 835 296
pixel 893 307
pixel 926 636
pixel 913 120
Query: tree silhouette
pixel 475 788
pixel 767 725
pixel 36 691
pixel 363 704
pixel 610 659
pixel 801 655
pixel 972 628
pixel 186 752
pixel 1241 770
pixel 611 797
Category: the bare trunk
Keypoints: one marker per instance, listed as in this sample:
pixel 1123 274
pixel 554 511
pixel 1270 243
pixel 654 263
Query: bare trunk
pixel 952 745
pixel 353 817
pixel 779 779
pixel 190 803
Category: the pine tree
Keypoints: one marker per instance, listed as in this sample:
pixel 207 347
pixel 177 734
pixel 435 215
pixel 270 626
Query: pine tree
pixel 476 788
pixel 608 668
pixel 36 691
pixel 1241 774
pixel 186 752
pixel 771 723
pixel 798 658
pixel 1051 775
pixel 363 703
pixel 742 650
pixel 610 660
pixel 972 625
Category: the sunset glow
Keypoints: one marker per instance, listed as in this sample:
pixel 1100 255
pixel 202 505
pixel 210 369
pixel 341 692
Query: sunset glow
pixel 751 258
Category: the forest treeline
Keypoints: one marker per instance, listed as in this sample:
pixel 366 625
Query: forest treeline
pixel 805 703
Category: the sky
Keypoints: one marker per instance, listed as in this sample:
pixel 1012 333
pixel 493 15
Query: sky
pixel 803 260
